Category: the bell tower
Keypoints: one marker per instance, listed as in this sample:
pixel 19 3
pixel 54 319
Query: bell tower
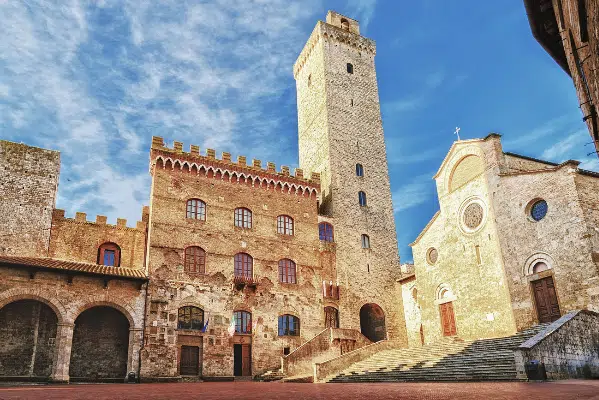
pixel 341 137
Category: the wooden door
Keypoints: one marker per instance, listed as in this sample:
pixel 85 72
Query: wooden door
pixel 246 359
pixel 448 319
pixel 190 356
pixel 546 300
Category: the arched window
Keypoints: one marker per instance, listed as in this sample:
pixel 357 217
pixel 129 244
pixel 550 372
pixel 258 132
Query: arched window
pixel 331 317
pixel 244 265
pixel 350 68
pixel 287 271
pixel 344 24
pixel 362 198
pixel 359 170
pixel 289 325
pixel 243 322
pixel 196 209
pixel 325 231
pixel 243 218
pixel 109 254
pixel 195 260
pixel 285 225
pixel 191 318
pixel 365 242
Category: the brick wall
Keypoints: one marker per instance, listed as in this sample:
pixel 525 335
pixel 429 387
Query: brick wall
pixel 76 239
pixel 28 185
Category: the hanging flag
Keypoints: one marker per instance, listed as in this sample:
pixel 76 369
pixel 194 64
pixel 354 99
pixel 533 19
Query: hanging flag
pixel 231 329
pixel 206 324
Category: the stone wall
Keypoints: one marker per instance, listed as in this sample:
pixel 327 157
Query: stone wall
pixel 214 291
pixel 339 127
pixel 76 239
pixel 66 302
pixel 567 348
pixel 409 294
pixel 28 183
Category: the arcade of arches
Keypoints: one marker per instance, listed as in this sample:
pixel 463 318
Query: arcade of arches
pixel 98 352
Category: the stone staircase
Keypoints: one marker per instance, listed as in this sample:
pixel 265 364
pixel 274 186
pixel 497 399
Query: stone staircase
pixel 447 360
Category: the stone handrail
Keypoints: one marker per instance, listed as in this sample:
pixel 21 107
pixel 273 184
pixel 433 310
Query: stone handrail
pixel 329 343
pixel 326 369
pixel 568 347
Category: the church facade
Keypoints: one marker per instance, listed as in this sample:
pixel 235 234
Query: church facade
pixel 514 244
pixel 233 264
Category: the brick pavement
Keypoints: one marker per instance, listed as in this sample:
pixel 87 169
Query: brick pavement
pixel 580 390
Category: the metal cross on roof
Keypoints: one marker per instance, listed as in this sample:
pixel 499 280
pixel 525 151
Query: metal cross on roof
pixel 457 132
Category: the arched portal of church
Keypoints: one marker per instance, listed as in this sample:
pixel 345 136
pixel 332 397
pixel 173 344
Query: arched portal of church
pixel 372 322
pixel 100 345
pixel 27 335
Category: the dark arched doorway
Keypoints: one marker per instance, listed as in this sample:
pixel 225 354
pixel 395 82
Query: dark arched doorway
pixel 27 335
pixel 100 345
pixel 372 322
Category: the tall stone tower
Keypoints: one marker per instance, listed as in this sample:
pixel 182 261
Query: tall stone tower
pixel 341 137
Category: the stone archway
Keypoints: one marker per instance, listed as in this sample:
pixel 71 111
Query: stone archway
pixel 100 345
pixel 372 322
pixel 27 339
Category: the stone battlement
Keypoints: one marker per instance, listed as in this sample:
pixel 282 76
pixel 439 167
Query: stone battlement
pixel 193 159
pixel 81 218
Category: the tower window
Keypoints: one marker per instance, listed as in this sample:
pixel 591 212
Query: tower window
pixel 309 80
pixel 243 218
pixel 582 21
pixel 365 242
pixel 109 254
pixel 195 260
pixel 289 325
pixel 244 265
pixel 190 318
pixel 287 271
pixel 243 322
pixel 196 209
pixel 359 170
pixel 285 225
pixel 325 231
pixel 350 68
pixel 345 24
pixel 362 199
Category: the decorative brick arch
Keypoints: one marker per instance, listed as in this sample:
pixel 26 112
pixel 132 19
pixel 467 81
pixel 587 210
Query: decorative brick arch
pixel 124 309
pixel 16 294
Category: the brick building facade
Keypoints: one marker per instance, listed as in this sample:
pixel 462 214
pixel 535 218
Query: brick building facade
pixel 514 244
pixel 231 267
pixel 569 31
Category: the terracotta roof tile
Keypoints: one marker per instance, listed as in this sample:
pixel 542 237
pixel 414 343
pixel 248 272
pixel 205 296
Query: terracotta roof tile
pixel 55 264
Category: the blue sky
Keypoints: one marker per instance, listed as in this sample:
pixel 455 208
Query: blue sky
pixel 97 79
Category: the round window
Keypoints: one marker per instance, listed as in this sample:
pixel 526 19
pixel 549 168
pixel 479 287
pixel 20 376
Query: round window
pixel 432 255
pixel 538 210
pixel 473 216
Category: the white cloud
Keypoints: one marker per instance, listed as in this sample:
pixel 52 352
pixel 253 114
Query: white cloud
pixel 202 73
pixel 364 10
pixel 562 149
pixel 417 192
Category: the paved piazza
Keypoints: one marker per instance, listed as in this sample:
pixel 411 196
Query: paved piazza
pixel 254 390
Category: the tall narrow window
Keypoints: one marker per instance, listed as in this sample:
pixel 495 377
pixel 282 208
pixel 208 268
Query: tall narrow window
pixel 478 258
pixel 289 325
pixel 243 322
pixel 309 80
pixel 362 198
pixel 195 260
pixel 109 254
pixel 344 24
pixel 582 21
pixel 196 209
pixel 191 318
pixel 244 265
pixel 325 231
pixel 243 218
pixel 287 271
pixel 285 225
pixel 365 242
pixel 331 317
pixel 350 68
pixel 359 170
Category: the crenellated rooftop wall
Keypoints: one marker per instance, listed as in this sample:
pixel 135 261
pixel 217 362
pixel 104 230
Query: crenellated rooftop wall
pixel 162 156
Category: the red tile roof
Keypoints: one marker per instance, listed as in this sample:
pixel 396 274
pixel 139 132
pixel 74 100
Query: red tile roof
pixel 77 267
